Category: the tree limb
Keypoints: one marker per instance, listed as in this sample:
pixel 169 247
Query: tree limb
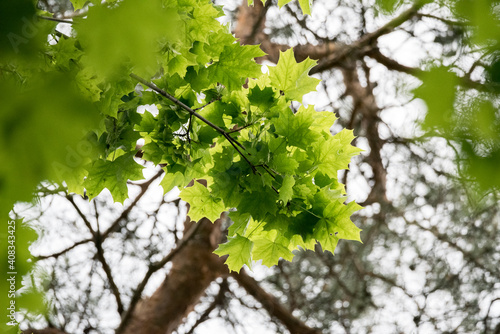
pixel 367 41
pixel 194 267
pixel 272 305
pixel 152 269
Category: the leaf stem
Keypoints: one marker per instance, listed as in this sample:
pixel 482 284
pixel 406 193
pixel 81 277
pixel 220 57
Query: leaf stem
pixel 209 103
pixel 239 129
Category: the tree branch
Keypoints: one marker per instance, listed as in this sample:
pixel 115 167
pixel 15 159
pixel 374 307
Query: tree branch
pixel 56 255
pixel 193 268
pixel 98 239
pixel 152 269
pixel 218 300
pixel 364 44
pixel 272 305
pixel 115 226
pixel 231 140
pixel 177 102
pixel 54 19
pixel 107 271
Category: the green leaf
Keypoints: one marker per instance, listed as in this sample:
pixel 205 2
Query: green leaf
pixel 262 98
pixel 202 204
pixel 438 91
pixel 171 180
pixel 259 202
pixel 286 190
pixel 148 123
pixel 240 223
pixel 335 153
pixel 305 5
pixel 20 32
pixel 88 84
pixel 40 125
pixel 65 52
pixel 126 34
pixel 293 78
pixel 388 6
pixel 284 164
pixel 201 23
pixel 296 128
pixel 322 120
pixel 281 3
pixel 270 252
pixel 113 175
pixel 236 64
pixel 79 4
pixel 239 250
pixel 303 224
pixel 336 224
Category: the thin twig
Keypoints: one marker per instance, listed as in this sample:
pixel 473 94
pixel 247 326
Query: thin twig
pixel 107 269
pixel 446 21
pixel 81 214
pixel 56 255
pixel 127 315
pixel 241 128
pixel 162 92
pixel 190 125
pixel 144 187
pixel 218 300
pixel 363 44
pixel 113 226
pixel 97 239
pixel 54 19
pixel 176 101
pixel 209 103
pixel 241 153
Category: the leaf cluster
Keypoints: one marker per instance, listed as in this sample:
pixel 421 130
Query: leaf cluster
pixel 211 114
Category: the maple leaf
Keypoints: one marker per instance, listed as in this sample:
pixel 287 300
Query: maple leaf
pixel 236 64
pixel 113 175
pixel 239 249
pixel 282 163
pixel 286 190
pixel 202 204
pixel 295 128
pixel 293 78
pixel 255 204
pixel 336 224
pixel 270 252
pixel 335 153
pixel 322 120
pixel 262 98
